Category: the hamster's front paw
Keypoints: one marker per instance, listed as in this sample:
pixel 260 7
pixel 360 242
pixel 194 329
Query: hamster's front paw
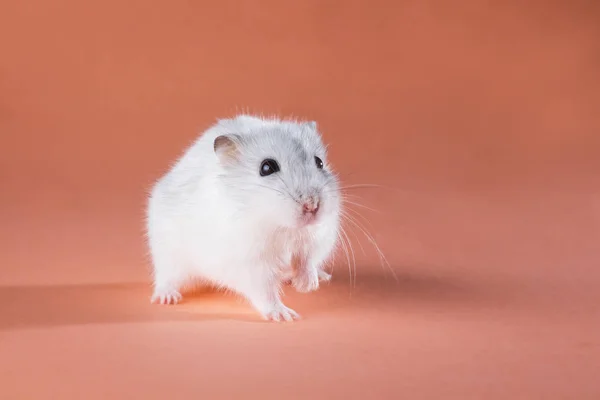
pixel 287 277
pixel 280 312
pixel 166 296
pixel 306 280
pixel 324 276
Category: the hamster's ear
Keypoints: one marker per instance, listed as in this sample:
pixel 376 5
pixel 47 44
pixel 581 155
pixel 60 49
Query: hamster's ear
pixel 312 125
pixel 227 147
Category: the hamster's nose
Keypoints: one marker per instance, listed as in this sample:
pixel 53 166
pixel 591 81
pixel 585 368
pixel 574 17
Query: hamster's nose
pixel 310 206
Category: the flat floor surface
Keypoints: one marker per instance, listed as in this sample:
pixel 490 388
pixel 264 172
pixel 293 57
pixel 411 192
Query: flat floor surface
pixel 477 123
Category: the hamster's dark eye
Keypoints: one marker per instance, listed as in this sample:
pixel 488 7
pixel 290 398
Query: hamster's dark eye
pixel 268 167
pixel 319 162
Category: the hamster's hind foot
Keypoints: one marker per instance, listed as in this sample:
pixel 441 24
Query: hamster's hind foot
pixel 165 296
pixel 280 313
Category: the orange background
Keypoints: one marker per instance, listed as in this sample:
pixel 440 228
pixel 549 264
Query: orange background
pixel 480 123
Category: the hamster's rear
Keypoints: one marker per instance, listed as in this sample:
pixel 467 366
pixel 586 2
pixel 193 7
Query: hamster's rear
pixel 246 198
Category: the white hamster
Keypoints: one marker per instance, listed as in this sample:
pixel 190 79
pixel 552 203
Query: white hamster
pixel 252 197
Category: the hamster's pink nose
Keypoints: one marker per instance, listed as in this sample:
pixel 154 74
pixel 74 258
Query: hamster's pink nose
pixel 310 207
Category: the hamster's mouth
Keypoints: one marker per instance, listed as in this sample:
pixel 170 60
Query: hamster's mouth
pixel 311 209
pixel 307 219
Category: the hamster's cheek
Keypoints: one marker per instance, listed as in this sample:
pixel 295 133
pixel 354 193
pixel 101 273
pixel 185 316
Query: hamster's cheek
pixel 287 214
pixel 290 217
pixel 278 211
pixel 331 203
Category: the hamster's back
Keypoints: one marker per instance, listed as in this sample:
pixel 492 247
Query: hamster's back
pixel 199 160
pixel 193 177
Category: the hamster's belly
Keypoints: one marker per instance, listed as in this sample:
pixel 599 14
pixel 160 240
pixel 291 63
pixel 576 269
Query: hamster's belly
pixel 218 253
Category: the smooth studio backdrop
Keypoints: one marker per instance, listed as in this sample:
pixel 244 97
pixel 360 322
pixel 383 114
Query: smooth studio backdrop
pixel 479 121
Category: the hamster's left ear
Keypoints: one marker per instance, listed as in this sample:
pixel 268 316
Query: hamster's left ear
pixel 227 147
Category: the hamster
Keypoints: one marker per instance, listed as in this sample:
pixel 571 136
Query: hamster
pixel 252 204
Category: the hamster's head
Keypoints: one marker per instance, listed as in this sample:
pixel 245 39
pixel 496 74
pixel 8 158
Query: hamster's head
pixel 278 174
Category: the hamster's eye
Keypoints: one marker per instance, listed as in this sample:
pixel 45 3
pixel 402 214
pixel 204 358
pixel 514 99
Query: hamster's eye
pixel 319 162
pixel 268 167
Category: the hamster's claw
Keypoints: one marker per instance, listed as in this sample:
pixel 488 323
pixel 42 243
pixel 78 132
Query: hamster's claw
pixel 324 276
pixel 166 297
pixel 281 313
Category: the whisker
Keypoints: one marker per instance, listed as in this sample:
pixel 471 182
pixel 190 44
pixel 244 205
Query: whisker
pixel 360 205
pixel 357 214
pixel 352 252
pixel 268 187
pixel 371 239
pixel 346 202
pixel 344 215
pixel 345 249
pixel 288 189
pixel 361 186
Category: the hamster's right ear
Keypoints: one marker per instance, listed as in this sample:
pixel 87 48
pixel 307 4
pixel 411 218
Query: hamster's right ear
pixel 227 147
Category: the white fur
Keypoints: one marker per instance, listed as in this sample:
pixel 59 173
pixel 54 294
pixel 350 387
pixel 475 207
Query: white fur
pixel 225 224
